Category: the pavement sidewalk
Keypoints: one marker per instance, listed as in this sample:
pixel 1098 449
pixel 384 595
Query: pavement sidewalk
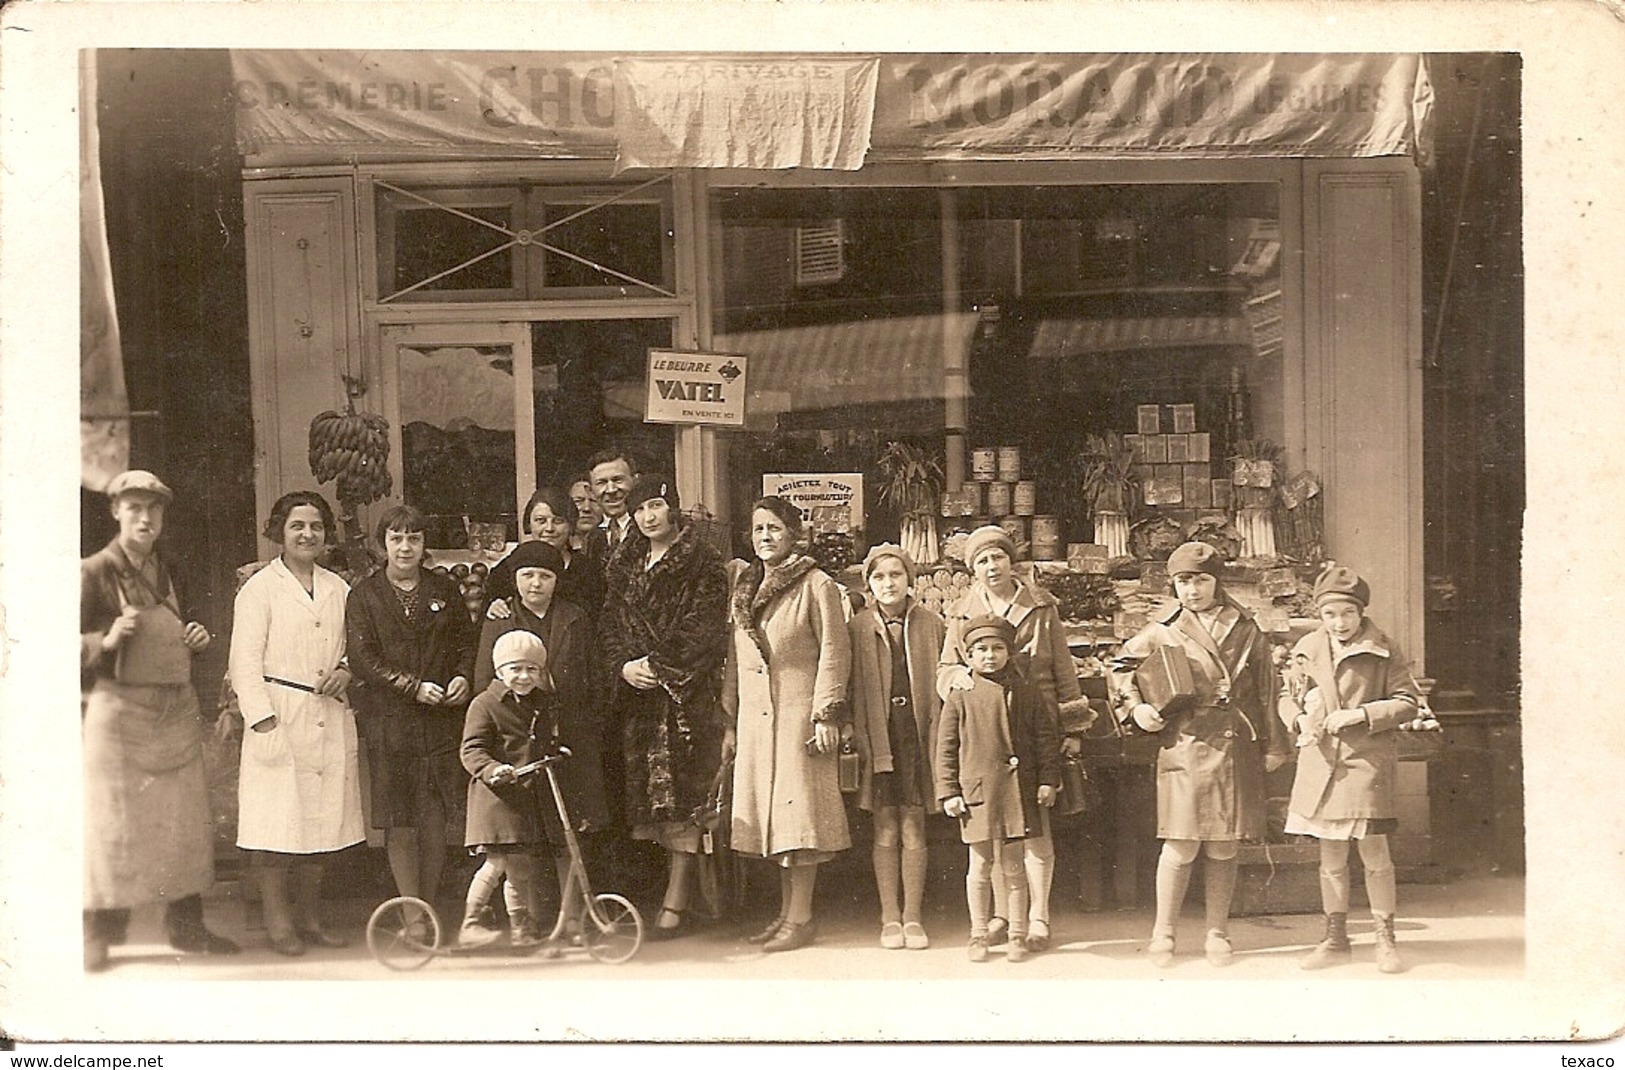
pixel 1469 929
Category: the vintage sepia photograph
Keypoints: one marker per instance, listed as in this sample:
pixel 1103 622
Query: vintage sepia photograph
pixel 994 536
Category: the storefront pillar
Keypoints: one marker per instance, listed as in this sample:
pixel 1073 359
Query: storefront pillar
pixel 955 386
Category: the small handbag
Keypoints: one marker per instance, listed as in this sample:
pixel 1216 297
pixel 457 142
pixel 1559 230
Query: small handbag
pixel 1073 777
pixel 847 768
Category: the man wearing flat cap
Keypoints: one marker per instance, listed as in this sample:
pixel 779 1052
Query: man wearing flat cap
pixel 148 833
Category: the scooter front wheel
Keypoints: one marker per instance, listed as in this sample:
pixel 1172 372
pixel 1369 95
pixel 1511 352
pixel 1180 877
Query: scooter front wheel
pixel 403 933
pixel 612 929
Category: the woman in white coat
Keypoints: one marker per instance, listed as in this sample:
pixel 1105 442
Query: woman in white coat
pixel 299 794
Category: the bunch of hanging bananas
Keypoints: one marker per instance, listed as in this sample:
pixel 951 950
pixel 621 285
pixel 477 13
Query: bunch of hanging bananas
pixel 353 448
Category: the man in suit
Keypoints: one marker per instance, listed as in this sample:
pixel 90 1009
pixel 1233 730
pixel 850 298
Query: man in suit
pixel 611 472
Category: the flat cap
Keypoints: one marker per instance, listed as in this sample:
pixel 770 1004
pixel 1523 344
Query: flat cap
pixel 139 481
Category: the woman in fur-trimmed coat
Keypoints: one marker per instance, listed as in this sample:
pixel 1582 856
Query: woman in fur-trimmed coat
pixel 786 688
pixel 665 638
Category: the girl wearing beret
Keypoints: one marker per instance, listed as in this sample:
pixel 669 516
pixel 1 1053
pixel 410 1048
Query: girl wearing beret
pixel 1345 692
pixel 1214 750
pixel 895 644
pixel 1041 653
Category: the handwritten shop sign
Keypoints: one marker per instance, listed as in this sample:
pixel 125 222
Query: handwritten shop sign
pixel 695 388
pixel 828 501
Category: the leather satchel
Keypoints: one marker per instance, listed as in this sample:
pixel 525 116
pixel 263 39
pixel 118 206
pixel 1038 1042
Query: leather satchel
pixel 1165 680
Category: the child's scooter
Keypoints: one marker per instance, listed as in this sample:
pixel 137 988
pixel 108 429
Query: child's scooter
pixel 404 933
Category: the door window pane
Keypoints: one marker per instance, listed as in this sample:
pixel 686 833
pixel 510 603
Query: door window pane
pixel 589 385
pixel 457 436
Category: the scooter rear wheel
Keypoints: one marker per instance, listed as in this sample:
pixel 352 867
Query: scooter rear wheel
pixel 403 933
pixel 612 929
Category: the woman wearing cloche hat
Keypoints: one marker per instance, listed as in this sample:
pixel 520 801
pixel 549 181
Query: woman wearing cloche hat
pixel 1215 747
pixel 1345 692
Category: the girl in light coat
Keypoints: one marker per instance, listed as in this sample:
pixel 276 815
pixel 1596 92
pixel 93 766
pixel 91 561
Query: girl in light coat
pixel 1345 692
pixel 299 794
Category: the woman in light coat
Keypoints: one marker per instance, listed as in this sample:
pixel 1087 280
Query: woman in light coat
pixel 299 794
pixel 785 691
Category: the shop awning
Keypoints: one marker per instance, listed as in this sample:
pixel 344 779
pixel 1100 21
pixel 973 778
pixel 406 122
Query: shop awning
pixel 803 110
pixel 1062 337
pixel 861 362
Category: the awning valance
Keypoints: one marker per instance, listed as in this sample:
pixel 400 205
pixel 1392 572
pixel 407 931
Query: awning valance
pixel 859 362
pixel 796 110
pixel 1060 338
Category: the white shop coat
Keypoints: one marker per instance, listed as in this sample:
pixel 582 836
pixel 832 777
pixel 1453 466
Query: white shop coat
pixel 298 791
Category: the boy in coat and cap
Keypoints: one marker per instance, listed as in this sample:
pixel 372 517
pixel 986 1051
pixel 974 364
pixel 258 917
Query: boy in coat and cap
pixel 1345 692
pixel 998 766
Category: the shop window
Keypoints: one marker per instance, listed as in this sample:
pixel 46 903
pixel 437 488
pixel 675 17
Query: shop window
pixel 1082 311
pixel 505 243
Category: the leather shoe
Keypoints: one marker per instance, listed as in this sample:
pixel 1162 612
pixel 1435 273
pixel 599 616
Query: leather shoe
pixel 288 944
pixel 768 933
pixel 684 926
pixel 792 935
pixel 96 954
pixel 321 938
pixel 201 941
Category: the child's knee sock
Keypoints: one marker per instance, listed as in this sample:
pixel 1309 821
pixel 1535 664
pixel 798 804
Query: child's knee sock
pixel 1173 878
pixel 888 881
pixel 1039 859
pixel 1001 900
pixel 978 883
pixel 1013 871
pixel 913 867
pixel 484 883
pixel 1218 888
pixel 1379 874
pixel 1334 876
